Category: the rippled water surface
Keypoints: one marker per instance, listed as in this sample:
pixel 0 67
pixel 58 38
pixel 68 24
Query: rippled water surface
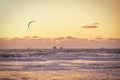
pixel 65 64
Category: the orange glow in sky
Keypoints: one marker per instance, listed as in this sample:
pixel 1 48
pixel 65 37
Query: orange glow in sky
pixel 60 18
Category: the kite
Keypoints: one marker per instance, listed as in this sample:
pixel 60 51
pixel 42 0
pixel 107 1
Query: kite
pixel 30 24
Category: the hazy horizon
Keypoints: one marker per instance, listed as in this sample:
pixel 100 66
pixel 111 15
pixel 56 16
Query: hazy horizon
pixel 65 42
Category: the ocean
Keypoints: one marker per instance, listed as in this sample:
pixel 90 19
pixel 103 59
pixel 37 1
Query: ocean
pixel 59 64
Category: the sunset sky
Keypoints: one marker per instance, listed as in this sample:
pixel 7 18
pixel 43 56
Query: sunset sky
pixel 56 19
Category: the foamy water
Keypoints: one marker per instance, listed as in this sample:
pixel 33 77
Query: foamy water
pixel 48 64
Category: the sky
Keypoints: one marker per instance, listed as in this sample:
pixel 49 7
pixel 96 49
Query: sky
pixel 82 20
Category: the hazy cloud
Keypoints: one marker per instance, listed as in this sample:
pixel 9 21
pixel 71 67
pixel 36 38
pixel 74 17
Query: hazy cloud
pixel 93 25
pixel 66 42
pixel 99 38
pixel 114 39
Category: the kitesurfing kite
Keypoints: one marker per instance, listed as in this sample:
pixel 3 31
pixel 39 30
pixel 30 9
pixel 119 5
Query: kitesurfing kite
pixel 30 24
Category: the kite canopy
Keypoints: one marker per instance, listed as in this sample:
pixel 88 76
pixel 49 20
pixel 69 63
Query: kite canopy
pixel 30 24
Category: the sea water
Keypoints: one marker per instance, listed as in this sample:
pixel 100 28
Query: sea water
pixel 60 64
